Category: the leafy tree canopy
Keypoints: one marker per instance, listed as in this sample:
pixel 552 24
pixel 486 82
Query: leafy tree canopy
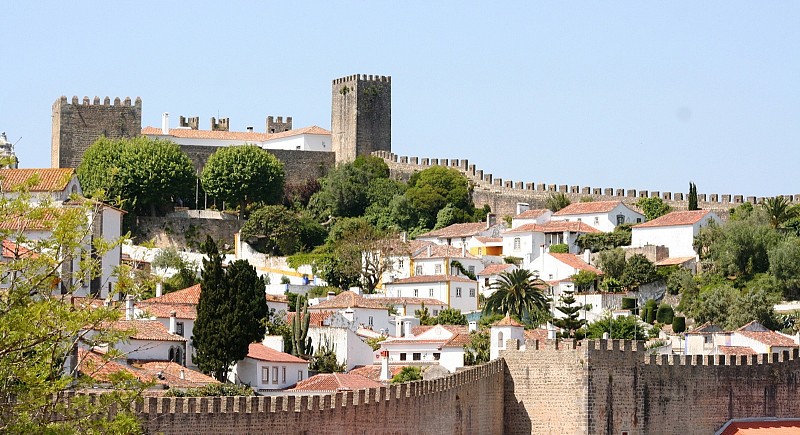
pixel 627 328
pixel 408 374
pixel 557 201
pixel 243 174
pixel 273 229
pixel 451 316
pixel 638 271
pixel 653 207
pixel 434 188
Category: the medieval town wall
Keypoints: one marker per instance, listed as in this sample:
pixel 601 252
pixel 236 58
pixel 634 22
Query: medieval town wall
pixel 503 195
pixel 470 401
pixel 179 232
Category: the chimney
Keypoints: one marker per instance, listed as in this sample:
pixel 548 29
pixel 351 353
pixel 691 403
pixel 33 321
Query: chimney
pixel 404 237
pixel 587 256
pixel 398 327
pixel 463 249
pixel 182 375
pixel 173 322
pixel 473 326
pixel 165 123
pixel 491 220
pixel 250 129
pixel 385 374
pixel 429 250
pixel 407 326
pixel 331 295
pixel 129 308
pixel 159 289
pixel 522 207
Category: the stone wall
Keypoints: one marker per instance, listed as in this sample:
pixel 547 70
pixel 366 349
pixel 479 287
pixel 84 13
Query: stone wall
pixel 78 125
pixel 361 115
pixel 607 387
pixel 503 195
pixel 468 402
pixel 180 232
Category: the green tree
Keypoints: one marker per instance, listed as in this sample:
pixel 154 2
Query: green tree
pixel 784 265
pixel 557 201
pixel 612 262
pixel 584 280
pixel 231 313
pixel 653 207
pixel 597 242
pixel 451 316
pixel 186 270
pixel 40 331
pixel 638 271
pixel 680 280
pixel 624 328
pixel 139 174
pixel 274 230
pixel 424 316
pixel 407 374
pixel 517 293
pixel 693 197
pixel 569 307
pixel 740 247
pixel 450 215
pixel 243 174
pixel 346 189
pixel 324 359
pixel 432 189
pixel 479 348
pixel 779 210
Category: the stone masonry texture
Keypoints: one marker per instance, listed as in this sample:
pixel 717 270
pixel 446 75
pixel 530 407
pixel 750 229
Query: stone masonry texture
pixel 361 116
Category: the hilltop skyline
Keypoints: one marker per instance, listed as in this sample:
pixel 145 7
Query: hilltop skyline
pixel 622 96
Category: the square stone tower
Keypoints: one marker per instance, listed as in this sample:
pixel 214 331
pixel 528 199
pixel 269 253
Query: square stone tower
pixel 77 125
pixel 361 116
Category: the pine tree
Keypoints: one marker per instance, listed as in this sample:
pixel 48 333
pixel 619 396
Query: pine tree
pixel 230 314
pixel 693 197
pixel 571 322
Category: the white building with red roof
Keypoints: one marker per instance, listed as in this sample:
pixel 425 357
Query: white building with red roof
pixel 146 340
pixel 751 339
pixel 438 259
pixel 441 345
pixel 530 241
pixel 675 230
pixel 503 330
pixel 266 369
pixel 489 275
pixel 181 302
pixel 602 215
pixel 531 216
pixel 455 291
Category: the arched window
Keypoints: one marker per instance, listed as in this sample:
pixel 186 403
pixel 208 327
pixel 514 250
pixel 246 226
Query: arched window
pixel 500 343
pixel 176 355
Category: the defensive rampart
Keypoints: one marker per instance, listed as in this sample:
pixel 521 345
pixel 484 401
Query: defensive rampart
pixel 609 387
pixel 503 195
pixel 468 402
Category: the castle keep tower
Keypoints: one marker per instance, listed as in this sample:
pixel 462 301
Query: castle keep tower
pixel 76 126
pixel 361 116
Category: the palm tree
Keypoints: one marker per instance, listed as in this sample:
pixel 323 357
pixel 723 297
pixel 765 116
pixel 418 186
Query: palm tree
pixel 517 293
pixel 779 210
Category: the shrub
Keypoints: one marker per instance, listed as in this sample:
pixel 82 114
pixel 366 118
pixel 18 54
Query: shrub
pixel 628 303
pixel 407 374
pixel 212 390
pixel 678 324
pixel 665 314
pixel 559 248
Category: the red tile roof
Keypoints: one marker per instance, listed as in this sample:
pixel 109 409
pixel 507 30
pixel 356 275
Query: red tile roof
pixel 144 330
pixel 673 261
pixel 555 227
pixel 93 364
pixel 764 426
pixel 536 334
pixel 736 350
pixel 442 251
pixel 675 218
pixel 169 373
pixel 431 278
pixel 244 136
pixel 575 261
pixel 531 214
pixel 507 321
pixel 263 353
pixel 455 329
pixel 457 230
pixel 373 372
pixel 458 340
pixel 182 311
pixel 49 179
pixel 486 240
pixel 770 338
pixel 15 250
pixel 316 318
pixel 335 382
pixel 348 299
pixel 411 301
pixel 494 269
pixel 588 208
pixel 189 295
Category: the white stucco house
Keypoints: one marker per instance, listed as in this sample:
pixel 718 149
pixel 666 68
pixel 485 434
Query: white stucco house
pixel 675 230
pixel 357 309
pixel 750 339
pixel 266 369
pixel 437 345
pixel 603 215
pixel 181 302
pixel 501 331
pixel 531 216
pixel 438 259
pixel 529 241
pixel 489 275
pixel 456 291
pixel 557 267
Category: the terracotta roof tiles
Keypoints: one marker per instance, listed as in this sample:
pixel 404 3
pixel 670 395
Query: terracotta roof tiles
pixel 457 230
pixel 169 373
pixel 588 208
pixel 263 353
pixel 189 295
pixel 50 179
pixel 507 321
pixel 576 262
pixel 373 372
pixel 531 214
pixel 431 278
pixel 442 251
pixel 555 227
pixel 144 330
pixel 335 382
pixel 676 218
pixel 348 299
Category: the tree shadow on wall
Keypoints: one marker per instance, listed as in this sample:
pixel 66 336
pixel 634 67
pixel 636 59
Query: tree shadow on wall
pixel 516 419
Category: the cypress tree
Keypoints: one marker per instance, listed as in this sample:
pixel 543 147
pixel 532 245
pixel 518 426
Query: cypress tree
pixel 230 313
pixel 692 196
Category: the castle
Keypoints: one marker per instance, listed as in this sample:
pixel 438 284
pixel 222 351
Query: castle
pixel 537 387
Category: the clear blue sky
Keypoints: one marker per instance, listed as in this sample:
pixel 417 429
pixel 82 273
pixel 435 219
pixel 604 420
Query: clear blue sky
pixel 637 95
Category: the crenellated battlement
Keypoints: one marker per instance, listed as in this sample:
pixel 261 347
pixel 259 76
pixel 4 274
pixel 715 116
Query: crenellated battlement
pixel 362 78
pixel 505 193
pixel 96 101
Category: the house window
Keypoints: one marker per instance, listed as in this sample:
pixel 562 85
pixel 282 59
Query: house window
pixel 402 356
pixel 299 375
pixel 437 270
pixel 472 292
pixel 620 219
pixel 486 282
pixel 458 292
pixel 638 220
pixel 418 270
pixel 176 355
pixel 579 220
pixel 369 321
pixel 179 328
pixel 435 313
pixel 436 356
pixel 516 243
pixel 430 292
pixel 400 263
pixel 416 293
pixel 265 375
pixel 284 374
pixel 417 356
pixel 471 269
pixel 500 343
pixel 275 375
pixel 596 220
pixel 707 339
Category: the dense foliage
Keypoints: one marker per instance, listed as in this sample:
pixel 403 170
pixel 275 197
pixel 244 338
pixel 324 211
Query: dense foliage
pixel 408 374
pixel 653 207
pixel 517 293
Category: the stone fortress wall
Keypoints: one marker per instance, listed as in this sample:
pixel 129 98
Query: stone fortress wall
pixel 503 195
pixel 565 387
